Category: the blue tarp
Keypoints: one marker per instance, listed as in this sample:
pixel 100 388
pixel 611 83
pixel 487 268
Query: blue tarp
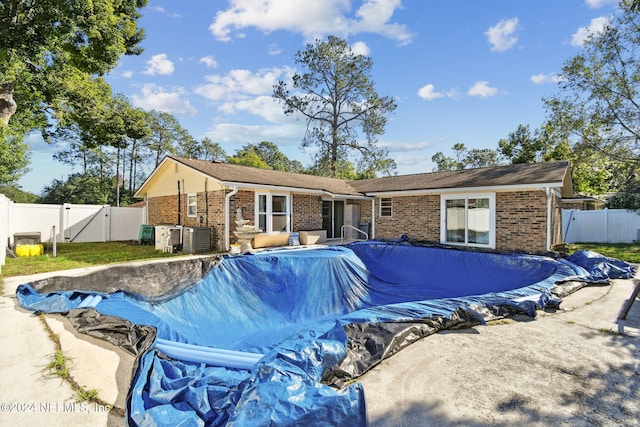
pixel 309 317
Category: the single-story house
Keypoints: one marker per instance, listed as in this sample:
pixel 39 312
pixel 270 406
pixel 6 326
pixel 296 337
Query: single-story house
pixel 583 203
pixel 514 207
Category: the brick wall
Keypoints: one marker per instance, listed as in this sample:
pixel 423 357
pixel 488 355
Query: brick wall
pixel 521 221
pixel 307 212
pixel 521 217
pixel 164 211
pixel 416 216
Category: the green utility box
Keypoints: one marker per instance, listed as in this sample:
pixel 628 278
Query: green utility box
pixel 146 236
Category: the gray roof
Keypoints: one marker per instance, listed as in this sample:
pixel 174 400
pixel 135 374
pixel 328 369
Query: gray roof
pixel 519 174
pixel 247 175
pixel 555 172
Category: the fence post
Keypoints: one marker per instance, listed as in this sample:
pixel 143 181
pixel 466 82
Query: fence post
pixel 55 239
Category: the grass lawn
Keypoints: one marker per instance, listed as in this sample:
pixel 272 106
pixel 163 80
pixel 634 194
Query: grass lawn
pixel 77 255
pixel 629 252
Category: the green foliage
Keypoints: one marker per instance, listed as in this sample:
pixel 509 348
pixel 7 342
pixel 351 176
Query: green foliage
pixel 50 45
pixel 336 96
pixel 15 194
pixel 265 153
pixel 594 116
pixel 59 365
pixel 81 189
pixel 474 158
pixel 165 136
pixel 248 158
pixel 522 147
pixel 14 157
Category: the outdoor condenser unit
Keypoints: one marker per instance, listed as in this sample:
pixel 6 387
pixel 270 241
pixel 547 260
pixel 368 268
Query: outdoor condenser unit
pixel 196 240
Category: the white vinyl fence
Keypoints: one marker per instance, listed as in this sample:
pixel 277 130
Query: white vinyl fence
pixel 600 226
pixel 72 223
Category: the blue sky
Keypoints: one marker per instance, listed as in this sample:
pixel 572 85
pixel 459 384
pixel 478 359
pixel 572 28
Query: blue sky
pixel 461 71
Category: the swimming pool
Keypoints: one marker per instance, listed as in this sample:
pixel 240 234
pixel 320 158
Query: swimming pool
pixel 282 332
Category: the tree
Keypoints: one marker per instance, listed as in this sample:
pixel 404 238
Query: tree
pixel 481 157
pixel 336 96
pixel 48 43
pixel 599 100
pixel 166 134
pixel 14 157
pixel 522 147
pixel 474 158
pixel 211 150
pixel 79 188
pixel 248 158
pixel 272 156
pixel 49 50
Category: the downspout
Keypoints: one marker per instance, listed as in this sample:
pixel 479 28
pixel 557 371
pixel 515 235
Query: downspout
pixel 373 219
pixel 549 215
pixel 206 203
pixel 227 204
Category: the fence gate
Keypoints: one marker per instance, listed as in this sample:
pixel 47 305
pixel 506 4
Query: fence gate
pixel 85 223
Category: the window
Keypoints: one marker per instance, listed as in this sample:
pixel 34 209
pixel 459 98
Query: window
pixel 272 213
pixel 386 207
pixel 469 220
pixel 192 205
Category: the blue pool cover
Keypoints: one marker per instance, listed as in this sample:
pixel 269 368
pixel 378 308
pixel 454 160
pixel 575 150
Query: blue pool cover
pixel 273 338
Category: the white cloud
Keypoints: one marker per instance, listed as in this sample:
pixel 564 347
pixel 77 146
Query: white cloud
pixel 153 97
pixel 502 36
pixel 482 89
pixel 263 106
pixel 595 4
pixel 546 78
pixel 410 160
pixel 429 93
pixel 287 134
pixel 360 48
pixel 127 74
pixel 596 26
pixel 274 49
pixel 209 61
pixel 241 84
pixel 397 147
pixel 159 64
pixel 311 19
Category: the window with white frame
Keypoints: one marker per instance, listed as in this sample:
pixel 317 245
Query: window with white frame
pixel 386 207
pixel 192 205
pixel 273 213
pixel 468 219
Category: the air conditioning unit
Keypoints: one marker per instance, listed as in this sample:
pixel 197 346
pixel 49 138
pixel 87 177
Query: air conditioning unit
pixel 168 237
pixel 196 240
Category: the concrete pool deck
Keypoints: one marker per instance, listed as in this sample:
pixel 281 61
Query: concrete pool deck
pixel 568 367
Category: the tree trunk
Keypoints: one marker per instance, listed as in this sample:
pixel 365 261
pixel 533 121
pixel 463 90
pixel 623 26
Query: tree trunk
pixel 7 105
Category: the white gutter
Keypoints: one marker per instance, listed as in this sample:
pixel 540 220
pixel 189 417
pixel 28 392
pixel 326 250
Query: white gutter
pixel 485 189
pixel 279 188
pixel 227 204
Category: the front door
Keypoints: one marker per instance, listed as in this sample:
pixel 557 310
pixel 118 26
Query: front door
pixel 332 217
